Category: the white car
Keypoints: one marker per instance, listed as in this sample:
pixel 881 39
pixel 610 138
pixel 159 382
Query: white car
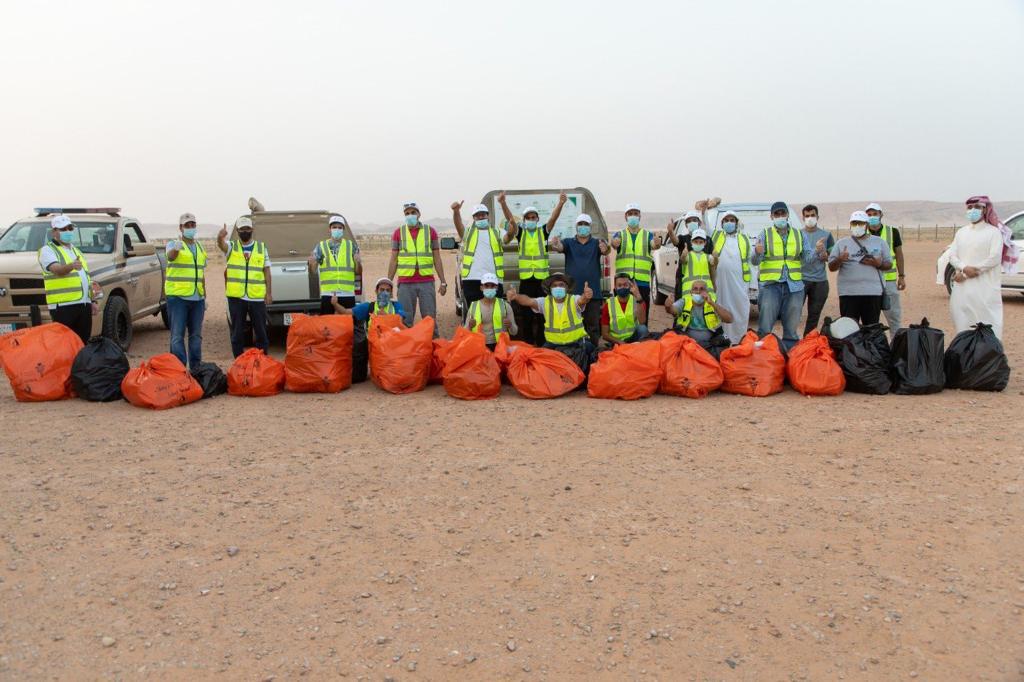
pixel 944 271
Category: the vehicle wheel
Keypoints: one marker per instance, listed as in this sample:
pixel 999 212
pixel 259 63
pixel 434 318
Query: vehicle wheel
pixel 117 322
pixel 164 317
pixel 948 279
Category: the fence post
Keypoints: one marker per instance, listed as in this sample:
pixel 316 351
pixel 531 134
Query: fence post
pixel 936 232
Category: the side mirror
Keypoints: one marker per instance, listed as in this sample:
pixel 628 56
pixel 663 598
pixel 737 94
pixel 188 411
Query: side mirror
pixel 449 243
pixel 141 250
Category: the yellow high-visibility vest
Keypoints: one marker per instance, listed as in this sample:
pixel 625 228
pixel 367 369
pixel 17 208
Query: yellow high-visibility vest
pixel 337 273
pixel 633 256
pixel 621 325
pixel 533 254
pixel 686 314
pixel 696 268
pixel 565 326
pixel 186 274
pixel 245 278
pixel 779 255
pixel 718 242
pixel 497 320
pixel 497 251
pixel 415 253
pixel 64 288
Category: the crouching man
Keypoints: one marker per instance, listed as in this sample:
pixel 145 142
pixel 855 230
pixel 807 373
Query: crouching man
pixel 698 315
pixel 563 318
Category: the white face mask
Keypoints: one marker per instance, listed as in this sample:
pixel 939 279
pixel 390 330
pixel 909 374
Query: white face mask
pixel 810 222
pixel 858 231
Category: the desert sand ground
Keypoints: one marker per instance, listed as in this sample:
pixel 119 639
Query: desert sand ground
pixel 418 537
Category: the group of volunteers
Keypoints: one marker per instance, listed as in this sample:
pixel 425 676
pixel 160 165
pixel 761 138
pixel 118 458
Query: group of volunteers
pixel 566 310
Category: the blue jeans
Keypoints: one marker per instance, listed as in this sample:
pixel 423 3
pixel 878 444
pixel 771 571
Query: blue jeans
pixel 184 314
pixel 775 300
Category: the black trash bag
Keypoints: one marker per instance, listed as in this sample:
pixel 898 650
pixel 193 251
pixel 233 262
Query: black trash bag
pixel 976 361
pixel 360 360
pixel 98 370
pixel 865 357
pixel 917 360
pixel 211 378
pixel 582 352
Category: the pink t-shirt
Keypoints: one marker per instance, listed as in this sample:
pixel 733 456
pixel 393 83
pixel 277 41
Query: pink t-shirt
pixel 396 246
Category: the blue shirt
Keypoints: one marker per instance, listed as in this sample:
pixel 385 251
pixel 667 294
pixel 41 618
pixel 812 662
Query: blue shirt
pixel 361 311
pixel 814 267
pixel 583 264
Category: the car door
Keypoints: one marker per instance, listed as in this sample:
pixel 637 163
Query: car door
pixel 1016 225
pixel 144 271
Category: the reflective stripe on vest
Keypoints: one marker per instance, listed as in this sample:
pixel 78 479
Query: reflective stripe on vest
pixel 621 325
pixel 778 255
pixel 633 256
pixel 711 320
pixel 337 273
pixel 185 273
pixel 562 327
pixel 497 251
pixel 696 268
pixel 533 254
pixel 415 253
pixel 476 315
pixel 718 242
pixel 64 288
pixel 245 278
pixel 892 274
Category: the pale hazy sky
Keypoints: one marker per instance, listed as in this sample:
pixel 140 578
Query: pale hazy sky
pixel 162 107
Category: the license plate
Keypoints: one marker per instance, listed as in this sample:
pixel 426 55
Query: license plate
pixel 7 327
pixel 287 319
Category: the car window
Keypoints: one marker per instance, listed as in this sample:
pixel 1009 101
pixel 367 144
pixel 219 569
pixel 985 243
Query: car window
pixel 135 233
pixel 96 237
pixel 1016 226
pixel 27 236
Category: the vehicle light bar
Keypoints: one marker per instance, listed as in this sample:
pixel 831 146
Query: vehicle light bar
pixel 115 212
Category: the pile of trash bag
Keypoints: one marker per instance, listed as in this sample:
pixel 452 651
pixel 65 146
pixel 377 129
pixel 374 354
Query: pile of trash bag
pixel 688 370
pixel 400 358
pixel 318 356
pixel 98 370
pixel 540 373
pixel 211 378
pixel 756 367
pixel 38 361
pixel 160 383
pixel 976 361
pixel 812 368
pixel 255 374
pixel 628 371
pixel 470 370
pixel 865 357
pixel 918 353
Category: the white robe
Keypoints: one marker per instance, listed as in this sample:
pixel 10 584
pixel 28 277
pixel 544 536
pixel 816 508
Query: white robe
pixel 978 299
pixel 732 290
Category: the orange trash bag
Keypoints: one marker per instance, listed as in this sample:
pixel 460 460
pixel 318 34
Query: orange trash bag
pixel 255 374
pixel 688 370
pixel 627 372
pixel 812 368
pixel 318 356
pixel 437 359
pixel 540 373
pixel 504 348
pixel 400 358
pixel 38 361
pixel 160 383
pixel 755 367
pixel 471 372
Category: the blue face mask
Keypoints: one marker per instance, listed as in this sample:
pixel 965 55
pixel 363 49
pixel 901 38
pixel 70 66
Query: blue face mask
pixel 189 233
pixel 583 230
pixel 383 298
pixel 337 233
pixel 780 222
pixel 874 220
pixel 558 292
pixel 481 224
pixel 412 219
pixel 973 214
pixel 729 227
pixel 697 247
pixel 67 237
pixel 633 221
pixel 697 298
pixel 490 293
pixel 530 224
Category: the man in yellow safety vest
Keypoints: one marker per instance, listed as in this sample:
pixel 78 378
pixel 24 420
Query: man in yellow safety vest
pixel 185 289
pixel 246 285
pixel 415 257
pixel 483 251
pixel 563 318
pixel 779 253
pixel 624 312
pixel 337 262
pixel 69 288
pixel 698 315
pixel 633 247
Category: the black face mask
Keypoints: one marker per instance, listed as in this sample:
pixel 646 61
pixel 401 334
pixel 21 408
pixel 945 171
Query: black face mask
pixel 622 292
pixel 246 235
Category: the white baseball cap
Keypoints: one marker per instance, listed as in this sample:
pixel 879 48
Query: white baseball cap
pixel 59 222
pixel 412 205
pixel 858 217
pixel 337 219
pixel 382 280
pixel 489 278
pixel 632 207
pixel 730 213
pixel 480 208
pixel 692 214
pixel 873 207
pixel 583 218
pixel 531 209
pixel 243 221
pixel 699 233
pixel 186 218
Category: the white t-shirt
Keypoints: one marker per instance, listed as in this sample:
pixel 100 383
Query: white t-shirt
pixel 483 259
pixel 47 257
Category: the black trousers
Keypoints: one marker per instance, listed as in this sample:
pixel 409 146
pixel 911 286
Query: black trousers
pixel 817 294
pixel 592 320
pixel 77 318
pixel 645 295
pixel 344 301
pixel 243 314
pixel 531 324
pixel 864 309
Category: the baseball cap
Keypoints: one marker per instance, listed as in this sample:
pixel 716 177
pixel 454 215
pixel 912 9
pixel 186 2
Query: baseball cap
pixel 699 233
pixel 412 205
pixel 186 218
pixel 59 222
pixel 873 207
pixel 730 213
pixel 691 214
pixel 489 278
pixel 583 218
pixel 337 219
pixel 382 280
pixel 480 208
pixel 244 221
pixel 531 209
pixel 632 207
pixel 780 206
pixel 858 217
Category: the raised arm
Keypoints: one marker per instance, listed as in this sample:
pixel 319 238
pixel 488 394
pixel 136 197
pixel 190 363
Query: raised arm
pixel 553 218
pixel 513 297
pixel 513 228
pixel 222 239
pixel 457 217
